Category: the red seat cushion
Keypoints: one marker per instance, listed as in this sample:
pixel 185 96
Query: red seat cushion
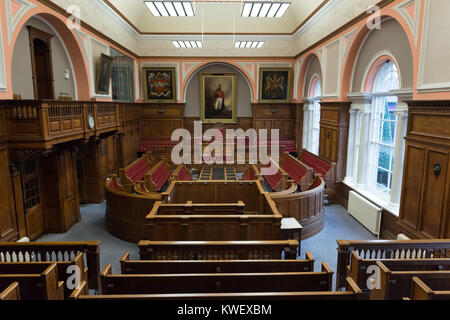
pixel 137 170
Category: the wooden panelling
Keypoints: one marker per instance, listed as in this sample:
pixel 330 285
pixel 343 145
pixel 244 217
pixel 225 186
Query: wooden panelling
pixel 275 116
pixel 159 121
pixel 334 120
pixel 424 207
pixel 8 228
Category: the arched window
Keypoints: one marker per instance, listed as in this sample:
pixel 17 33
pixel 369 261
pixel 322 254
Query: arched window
pixel 315 92
pixel 383 127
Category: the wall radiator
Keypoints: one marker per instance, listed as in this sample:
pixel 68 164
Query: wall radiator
pixel 365 212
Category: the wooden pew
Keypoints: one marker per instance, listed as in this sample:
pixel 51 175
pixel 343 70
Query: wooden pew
pixel 181 173
pixel 37 281
pixel 436 289
pixel 299 172
pixel 54 251
pixel 157 176
pixel 394 285
pixel 249 174
pixel 323 167
pixel 214 266
pixel 394 249
pixel 135 172
pixel 352 293
pixel 10 293
pixel 215 282
pixel 278 181
pixel 217 250
pixel 358 266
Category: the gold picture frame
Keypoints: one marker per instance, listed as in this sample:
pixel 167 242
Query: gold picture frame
pixel 218 97
pixel 103 76
pixel 275 85
pixel 159 85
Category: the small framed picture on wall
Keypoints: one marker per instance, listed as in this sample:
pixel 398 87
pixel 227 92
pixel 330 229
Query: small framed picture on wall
pixel 103 79
pixel 274 85
pixel 159 85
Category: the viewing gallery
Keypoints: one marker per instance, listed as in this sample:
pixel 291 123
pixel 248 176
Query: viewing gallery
pixel 224 150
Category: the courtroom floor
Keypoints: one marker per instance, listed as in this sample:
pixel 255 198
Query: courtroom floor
pixel 338 225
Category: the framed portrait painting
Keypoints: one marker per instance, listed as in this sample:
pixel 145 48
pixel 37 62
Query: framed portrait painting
pixel 159 85
pixel 275 85
pixel 103 79
pixel 218 97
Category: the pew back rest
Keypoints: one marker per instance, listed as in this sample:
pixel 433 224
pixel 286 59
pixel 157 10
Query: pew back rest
pixel 55 251
pixel 395 285
pixel 11 292
pixel 422 291
pixel 359 269
pixel 384 249
pixel 217 250
pixel 216 282
pixel 214 266
pixel 319 165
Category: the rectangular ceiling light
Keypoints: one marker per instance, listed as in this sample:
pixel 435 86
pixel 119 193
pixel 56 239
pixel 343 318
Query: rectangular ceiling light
pixel 187 44
pixel 170 8
pixel 264 9
pixel 248 44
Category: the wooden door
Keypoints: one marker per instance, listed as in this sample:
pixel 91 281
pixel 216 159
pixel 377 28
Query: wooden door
pixel 41 62
pixel 34 218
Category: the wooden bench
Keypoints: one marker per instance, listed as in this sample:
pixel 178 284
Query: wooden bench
pixel 352 293
pixel 249 174
pixel 215 282
pixel 214 266
pixel 157 176
pixel 181 173
pixel 299 172
pixel 10 293
pixel 37 281
pixel 277 182
pixel 54 251
pixel 323 167
pixel 394 285
pixel 114 183
pixel 385 249
pixel 62 270
pixel 217 250
pixel 135 172
pixel 435 289
pixel 358 266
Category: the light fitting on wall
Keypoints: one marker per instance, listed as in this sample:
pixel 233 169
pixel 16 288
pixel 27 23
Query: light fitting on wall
pixel 187 44
pixel 248 44
pixel 170 8
pixel 264 9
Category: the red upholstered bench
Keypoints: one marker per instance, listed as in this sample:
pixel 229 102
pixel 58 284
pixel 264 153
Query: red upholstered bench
pixel 135 172
pixel 114 184
pixel 249 174
pixel 181 173
pixel 320 166
pixel 301 174
pixel 278 181
pixel 157 177
pixel 156 144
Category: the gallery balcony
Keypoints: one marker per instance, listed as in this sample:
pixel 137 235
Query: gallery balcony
pixel 41 124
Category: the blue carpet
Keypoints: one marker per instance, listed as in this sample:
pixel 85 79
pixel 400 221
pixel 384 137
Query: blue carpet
pixel 338 225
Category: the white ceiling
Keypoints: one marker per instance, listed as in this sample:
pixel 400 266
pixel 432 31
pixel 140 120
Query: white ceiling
pixel 215 17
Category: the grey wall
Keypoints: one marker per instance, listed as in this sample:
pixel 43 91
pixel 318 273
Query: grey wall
pixel 392 38
pixel 313 68
pixel 243 99
pixel 21 64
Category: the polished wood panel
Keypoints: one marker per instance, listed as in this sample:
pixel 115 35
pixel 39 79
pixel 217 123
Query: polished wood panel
pixel 8 227
pixel 334 122
pixel 275 116
pixel 424 206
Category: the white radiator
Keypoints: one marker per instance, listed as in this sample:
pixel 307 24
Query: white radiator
pixel 365 212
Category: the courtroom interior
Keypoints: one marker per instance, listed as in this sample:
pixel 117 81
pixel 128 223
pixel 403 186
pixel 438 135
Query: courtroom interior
pixel 214 150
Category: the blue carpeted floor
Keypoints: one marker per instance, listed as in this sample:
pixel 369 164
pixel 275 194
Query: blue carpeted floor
pixel 338 225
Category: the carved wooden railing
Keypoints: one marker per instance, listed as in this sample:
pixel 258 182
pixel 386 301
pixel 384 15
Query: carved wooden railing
pixel 42 123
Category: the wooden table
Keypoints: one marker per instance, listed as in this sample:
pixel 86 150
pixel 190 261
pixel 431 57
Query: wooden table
pixel 291 230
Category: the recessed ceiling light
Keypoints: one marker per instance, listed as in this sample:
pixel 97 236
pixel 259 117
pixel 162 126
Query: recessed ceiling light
pixel 248 44
pixel 264 9
pixel 170 8
pixel 187 44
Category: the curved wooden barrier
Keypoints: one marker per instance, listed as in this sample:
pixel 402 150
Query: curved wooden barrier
pixel 126 212
pixel 306 207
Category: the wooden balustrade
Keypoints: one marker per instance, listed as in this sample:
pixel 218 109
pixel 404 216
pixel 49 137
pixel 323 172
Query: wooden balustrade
pixel 40 124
